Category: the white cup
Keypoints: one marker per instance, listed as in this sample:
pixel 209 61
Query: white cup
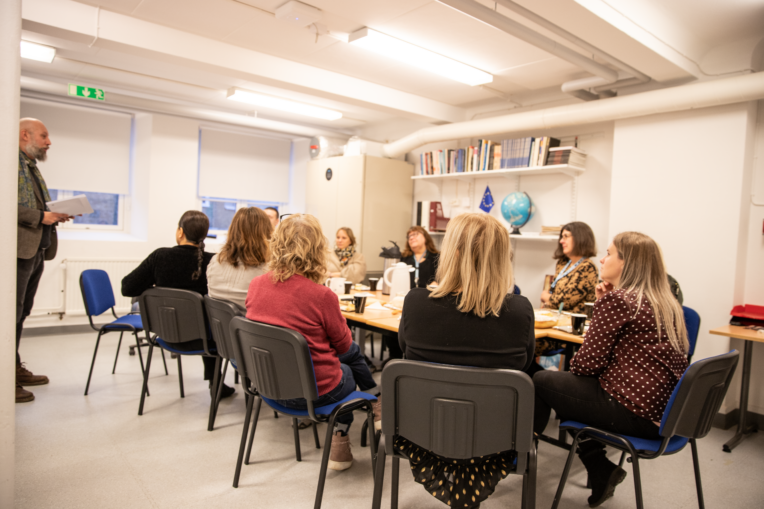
pixel 336 284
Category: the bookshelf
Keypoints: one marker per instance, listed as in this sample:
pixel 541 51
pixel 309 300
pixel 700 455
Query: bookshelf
pixel 524 236
pixel 566 169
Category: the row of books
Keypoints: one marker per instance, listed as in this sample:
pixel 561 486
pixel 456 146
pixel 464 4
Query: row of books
pixel 566 155
pixel 490 155
pixel 550 230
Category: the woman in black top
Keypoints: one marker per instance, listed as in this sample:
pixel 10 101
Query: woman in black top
pixel 183 267
pixel 420 252
pixel 470 319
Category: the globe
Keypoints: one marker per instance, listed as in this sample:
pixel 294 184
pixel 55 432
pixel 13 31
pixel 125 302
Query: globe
pixel 517 209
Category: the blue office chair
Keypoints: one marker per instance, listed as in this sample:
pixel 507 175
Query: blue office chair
pixel 275 364
pixel 689 414
pixel 516 290
pixel 98 297
pixel 692 321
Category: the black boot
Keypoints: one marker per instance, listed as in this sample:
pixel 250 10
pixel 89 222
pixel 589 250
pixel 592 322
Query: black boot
pixel 604 475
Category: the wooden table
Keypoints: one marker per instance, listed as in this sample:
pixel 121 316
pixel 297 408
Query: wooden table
pixel 749 336
pixel 383 320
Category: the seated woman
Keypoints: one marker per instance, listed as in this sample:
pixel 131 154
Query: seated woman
pixel 292 295
pixel 346 262
pixel 632 357
pixel 575 275
pixel 183 267
pixel 420 253
pixel 470 319
pixel 243 257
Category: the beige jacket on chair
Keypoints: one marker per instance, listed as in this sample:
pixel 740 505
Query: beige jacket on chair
pixel 354 271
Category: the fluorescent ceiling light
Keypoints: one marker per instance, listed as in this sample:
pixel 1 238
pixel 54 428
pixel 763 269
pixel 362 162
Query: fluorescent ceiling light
pixel 423 59
pixel 39 52
pixel 276 103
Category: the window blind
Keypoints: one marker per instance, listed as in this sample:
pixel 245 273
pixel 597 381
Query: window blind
pixel 90 148
pixel 243 166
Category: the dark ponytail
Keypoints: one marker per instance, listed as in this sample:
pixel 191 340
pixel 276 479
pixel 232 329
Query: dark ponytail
pixel 195 225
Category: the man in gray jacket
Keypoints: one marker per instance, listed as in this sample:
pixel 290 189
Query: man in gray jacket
pixel 37 240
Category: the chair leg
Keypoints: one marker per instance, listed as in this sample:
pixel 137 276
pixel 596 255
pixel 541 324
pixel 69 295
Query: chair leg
pixel 275 414
pixel 295 425
pixel 394 481
pixel 116 356
pixel 235 377
pixel 372 345
pixel 252 431
pixel 364 430
pixel 369 425
pixel 623 457
pixel 214 394
pixel 146 379
pixel 140 358
pixel 219 393
pixel 165 364
pixel 315 435
pixel 92 363
pixel 379 479
pixel 244 430
pixel 324 461
pixel 180 377
pixel 696 465
pixel 529 481
pixel 565 472
pixel 637 481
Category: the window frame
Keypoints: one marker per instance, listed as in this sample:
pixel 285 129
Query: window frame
pixel 240 204
pixel 70 225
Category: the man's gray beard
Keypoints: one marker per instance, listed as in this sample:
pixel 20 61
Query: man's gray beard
pixel 35 152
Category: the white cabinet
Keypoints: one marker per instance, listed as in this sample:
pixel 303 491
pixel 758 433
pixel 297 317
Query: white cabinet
pixel 371 195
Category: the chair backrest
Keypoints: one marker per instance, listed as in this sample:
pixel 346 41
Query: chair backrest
pixel 698 396
pixel 458 412
pixel 692 322
pixel 275 359
pixel 516 290
pixel 219 315
pixel 176 316
pixel 96 291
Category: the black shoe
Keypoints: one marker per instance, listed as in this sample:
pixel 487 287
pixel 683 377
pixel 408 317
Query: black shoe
pixel 604 487
pixel 227 391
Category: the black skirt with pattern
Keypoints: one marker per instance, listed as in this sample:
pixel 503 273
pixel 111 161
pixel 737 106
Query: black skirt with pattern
pixel 456 483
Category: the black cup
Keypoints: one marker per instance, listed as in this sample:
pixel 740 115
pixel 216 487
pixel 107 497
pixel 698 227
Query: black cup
pixel 348 286
pixel 373 283
pixel 577 323
pixel 589 310
pixel 360 304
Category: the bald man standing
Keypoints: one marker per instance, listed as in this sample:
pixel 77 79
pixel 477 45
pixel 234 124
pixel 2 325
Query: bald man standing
pixel 37 240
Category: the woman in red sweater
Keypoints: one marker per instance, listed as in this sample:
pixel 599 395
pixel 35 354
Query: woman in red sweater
pixel 633 355
pixel 292 295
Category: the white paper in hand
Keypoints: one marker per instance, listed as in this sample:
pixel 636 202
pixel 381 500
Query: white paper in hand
pixel 74 206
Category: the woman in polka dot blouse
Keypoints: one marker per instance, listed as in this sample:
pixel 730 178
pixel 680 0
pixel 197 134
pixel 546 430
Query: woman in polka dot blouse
pixel 632 357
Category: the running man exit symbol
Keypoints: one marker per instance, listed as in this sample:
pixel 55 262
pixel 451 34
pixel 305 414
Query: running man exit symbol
pixel 87 92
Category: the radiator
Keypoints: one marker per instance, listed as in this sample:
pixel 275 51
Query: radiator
pixel 116 269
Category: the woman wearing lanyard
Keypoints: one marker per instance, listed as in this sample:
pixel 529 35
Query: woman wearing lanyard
pixel 420 253
pixel 575 275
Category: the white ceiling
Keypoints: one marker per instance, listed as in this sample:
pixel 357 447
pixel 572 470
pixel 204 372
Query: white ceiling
pixel 184 50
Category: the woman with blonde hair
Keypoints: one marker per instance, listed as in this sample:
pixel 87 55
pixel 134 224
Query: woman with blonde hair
pixel 292 295
pixel 243 257
pixel 471 319
pixel 420 252
pixel 346 261
pixel 633 355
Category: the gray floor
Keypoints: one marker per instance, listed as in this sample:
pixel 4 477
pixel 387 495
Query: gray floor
pixel 75 451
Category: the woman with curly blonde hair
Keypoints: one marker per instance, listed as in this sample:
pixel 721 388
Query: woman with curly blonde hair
pixel 292 295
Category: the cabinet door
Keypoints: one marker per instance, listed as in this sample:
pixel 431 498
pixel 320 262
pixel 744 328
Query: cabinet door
pixel 350 197
pixel 321 194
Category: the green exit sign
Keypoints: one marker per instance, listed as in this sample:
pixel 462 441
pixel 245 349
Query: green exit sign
pixel 87 92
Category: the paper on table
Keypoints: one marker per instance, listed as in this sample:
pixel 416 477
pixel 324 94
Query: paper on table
pixel 376 305
pixel 74 206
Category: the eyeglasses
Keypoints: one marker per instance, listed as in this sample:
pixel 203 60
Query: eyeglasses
pixel 282 216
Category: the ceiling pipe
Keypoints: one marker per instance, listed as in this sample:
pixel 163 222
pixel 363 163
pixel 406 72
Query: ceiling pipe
pixel 512 27
pixel 705 94
pixel 134 103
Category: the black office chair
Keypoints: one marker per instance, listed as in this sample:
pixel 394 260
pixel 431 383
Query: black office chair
pixel 277 362
pixel 457 412
pixel 689 414
pixel 173 317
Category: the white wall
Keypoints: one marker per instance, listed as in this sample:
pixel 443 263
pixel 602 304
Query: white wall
pixel 681 178
pixel 163 186
pixel 559 199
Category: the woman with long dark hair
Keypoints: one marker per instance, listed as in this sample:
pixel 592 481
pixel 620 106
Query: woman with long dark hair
pixel 183 267
pixel 633 355
pixel 575 276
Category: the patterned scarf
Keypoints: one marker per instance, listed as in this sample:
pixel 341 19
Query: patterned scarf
pixel 27 197
pixel 344 255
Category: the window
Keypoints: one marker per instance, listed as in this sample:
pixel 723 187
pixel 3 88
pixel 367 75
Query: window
pixel 107 210
pixel 220 211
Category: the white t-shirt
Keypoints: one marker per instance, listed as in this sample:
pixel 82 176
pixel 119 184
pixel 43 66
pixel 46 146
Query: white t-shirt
pixel 226 282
